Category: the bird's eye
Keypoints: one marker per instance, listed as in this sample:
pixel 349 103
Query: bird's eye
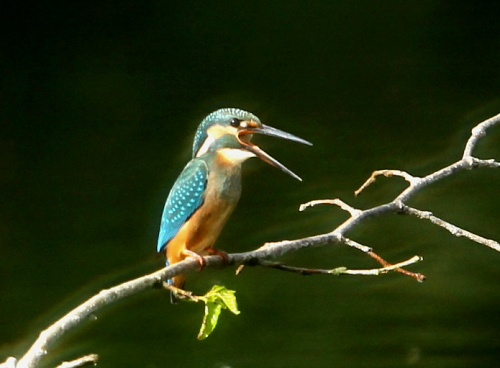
pixel 235 122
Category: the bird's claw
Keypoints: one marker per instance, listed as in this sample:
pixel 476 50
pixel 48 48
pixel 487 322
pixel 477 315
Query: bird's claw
pixel 217 252
pixel 201 261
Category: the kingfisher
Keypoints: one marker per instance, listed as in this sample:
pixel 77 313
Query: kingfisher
pixel 208 189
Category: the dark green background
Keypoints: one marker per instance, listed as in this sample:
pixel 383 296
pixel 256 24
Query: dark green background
pixel 98 105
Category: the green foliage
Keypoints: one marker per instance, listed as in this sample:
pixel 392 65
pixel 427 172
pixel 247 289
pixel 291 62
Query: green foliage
pixel 215 300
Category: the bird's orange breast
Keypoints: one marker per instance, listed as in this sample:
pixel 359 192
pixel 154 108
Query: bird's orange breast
pixel 202 229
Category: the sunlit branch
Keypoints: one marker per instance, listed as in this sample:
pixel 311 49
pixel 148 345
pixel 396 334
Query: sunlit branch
pixel 275 249
pixel 454 230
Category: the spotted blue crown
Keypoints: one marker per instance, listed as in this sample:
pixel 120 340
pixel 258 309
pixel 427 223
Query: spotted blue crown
pixel 221 117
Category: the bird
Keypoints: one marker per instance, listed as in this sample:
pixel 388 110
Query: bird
pixel 209 187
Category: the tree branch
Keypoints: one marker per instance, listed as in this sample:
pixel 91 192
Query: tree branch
pixel 454 230
pixel 276 249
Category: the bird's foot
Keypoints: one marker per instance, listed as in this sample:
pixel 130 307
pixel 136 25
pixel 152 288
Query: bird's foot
pixel 217 252
pixel 201 261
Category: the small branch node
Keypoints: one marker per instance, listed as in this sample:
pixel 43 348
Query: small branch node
pixel 478 131
pixel 337 235
pixel 401 206
pixel 339 271
pixel 469 160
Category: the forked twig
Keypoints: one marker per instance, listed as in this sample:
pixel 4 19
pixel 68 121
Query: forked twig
pixel 387 173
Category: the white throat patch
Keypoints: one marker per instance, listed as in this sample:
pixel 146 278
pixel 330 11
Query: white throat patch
pixel 235 156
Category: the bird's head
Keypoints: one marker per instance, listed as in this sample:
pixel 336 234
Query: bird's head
pixel 232 129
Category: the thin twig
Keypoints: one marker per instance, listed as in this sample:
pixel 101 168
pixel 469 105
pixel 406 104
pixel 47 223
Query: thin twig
pixel 90 359
pixel 454 230
pixel 417 276
pixel 353 211
pixel 356 245
pixel 387 173
pixel 341 270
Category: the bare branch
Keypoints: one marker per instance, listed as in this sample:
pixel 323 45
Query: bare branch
pixel 276 249
pixel 77 315
pixel 454 230
pixel 478 132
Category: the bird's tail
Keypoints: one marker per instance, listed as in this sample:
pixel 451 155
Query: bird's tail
pixel 173 296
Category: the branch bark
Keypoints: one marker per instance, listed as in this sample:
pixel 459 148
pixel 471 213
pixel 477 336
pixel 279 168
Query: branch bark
pixel 276 249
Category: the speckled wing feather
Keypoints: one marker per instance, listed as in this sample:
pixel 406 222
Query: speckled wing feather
pixel 183 200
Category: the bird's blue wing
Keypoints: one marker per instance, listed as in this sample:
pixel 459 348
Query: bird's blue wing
pixel 185 197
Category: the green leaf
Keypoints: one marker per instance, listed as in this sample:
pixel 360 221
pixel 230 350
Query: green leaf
pixel 229 300
pixel 217 298
pixel 212 312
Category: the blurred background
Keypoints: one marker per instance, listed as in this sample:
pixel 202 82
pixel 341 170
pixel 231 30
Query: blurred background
pixel 99 101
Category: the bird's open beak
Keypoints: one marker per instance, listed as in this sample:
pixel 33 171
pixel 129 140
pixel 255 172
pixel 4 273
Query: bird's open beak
pixel 244 138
